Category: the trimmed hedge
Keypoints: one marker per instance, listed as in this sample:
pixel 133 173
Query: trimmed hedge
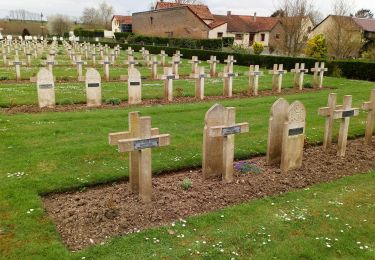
pixel 88 33
pixel 349 69
pixel 122 35
pixel 228 41
pixel 208 44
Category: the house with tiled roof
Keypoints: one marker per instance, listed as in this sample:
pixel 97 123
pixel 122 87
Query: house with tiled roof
pixel 121 23
pixel 197 22
pixel 346 32
pixel 247 29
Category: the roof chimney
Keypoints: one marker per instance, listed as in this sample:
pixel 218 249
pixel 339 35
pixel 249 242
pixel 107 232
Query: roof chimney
pixel 255 17
pixel 229 13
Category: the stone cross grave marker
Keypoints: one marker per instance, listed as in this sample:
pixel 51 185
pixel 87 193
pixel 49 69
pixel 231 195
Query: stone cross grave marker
pixel 370 107
pixel 195 62
pixel 93 56
pixel 299 73
pixel 28 55
pixel 130 51
pixel 176 61
pixel 79 63
pixel 218 142
pixel 93 88
pixel 50 62
pixel 344 114
pixel 45 88
pixel 254 74
pixel 154 67
pixel 17 64
pixel 106 64
pixel 113 56
pixel 146 56
pixel 277 78
pixel 278 117
pixel 139 141
pixel 163 55
pixel 168 78
pixel 328 112
pixel 213 64
pixel 230 62
pixel 293 137
pixel 228 76
pixel 5 58
pixel 131 62
pixel 319 74
pixel 199 83
pixel 178 54
pixel 134 87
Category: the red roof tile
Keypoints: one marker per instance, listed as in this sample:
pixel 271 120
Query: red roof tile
pixel 366 24
pixel 123 19
pixel 202 11
pixel 246 23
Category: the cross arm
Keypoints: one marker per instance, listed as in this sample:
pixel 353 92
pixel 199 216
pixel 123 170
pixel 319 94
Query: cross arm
pixel 368 106
pixel 135 144
pixel 339 114
pixel 217 131
pixel 114 138
pixel 325 111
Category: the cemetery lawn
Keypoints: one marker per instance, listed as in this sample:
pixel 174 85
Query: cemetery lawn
pixel 49 152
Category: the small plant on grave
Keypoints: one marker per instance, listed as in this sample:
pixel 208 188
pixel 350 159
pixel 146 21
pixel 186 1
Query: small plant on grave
pixel 180 92
pixel 186 184
pixel 246 167
pixel 66 101
pixel 43 57
pixel 113 101
pixel 4 78
pixel 307 85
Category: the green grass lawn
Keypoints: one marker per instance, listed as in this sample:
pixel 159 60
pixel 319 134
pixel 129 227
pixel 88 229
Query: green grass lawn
pixel 26 94
pixel 63 151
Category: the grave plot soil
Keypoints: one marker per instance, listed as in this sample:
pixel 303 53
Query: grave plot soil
pixel 89 217
pixel 33 109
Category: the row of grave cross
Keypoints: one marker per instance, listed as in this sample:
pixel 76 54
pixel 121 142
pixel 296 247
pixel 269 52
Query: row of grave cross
pixel 286 139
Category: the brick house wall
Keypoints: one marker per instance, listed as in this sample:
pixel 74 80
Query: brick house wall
pixel 173 22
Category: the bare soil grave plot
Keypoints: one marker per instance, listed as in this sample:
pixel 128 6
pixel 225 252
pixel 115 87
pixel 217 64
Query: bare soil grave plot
pixel 92 216
pixel 32 109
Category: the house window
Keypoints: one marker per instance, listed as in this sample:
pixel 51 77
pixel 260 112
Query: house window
pixel 277 36
pixel 220 35
pixel 239 36
pixel 169 34
pixel 262 37
pixel 151 20
pixel 126 28
pixel 309 29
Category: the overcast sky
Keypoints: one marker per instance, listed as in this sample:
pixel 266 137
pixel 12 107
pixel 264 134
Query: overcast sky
pixel 123 7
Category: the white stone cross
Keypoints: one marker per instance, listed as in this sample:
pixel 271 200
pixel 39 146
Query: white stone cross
pixel 79 63
pixel 328 113
pixel 299 73
pixel 163 55
pixel 195 62
pixel 254 74
pixel 228 76
pixel 199 83
pixel 154 67
pixel 344 114
pixel 277 78
pixel 17 63
pixel 106 64
pixel 131 62
pixel 138 141
pixel 213 64
pixel 168 78
pixel 319 74
pixel 176 61
pixel 230 62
